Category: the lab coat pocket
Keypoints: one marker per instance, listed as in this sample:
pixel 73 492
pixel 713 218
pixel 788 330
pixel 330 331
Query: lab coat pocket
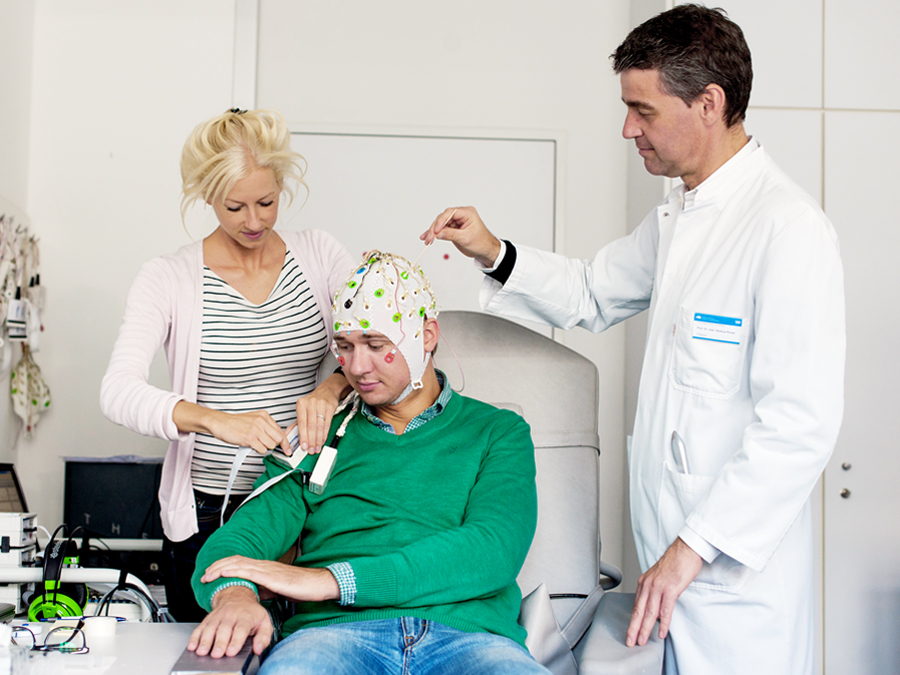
pixel 702 364
pixel 679 495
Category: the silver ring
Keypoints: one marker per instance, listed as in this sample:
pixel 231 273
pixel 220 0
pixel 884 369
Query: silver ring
pixel 322 416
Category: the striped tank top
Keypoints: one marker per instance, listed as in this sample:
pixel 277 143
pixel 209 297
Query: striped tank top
pixel 254 357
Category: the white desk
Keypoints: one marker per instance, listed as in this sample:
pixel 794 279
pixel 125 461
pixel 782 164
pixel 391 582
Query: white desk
pixel 139 649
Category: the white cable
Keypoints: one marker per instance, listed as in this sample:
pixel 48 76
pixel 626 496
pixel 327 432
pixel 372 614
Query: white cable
pixel 46 531
pixel 458 365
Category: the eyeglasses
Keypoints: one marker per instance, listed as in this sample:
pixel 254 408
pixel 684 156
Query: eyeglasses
pixel 23 637
pixel 64 639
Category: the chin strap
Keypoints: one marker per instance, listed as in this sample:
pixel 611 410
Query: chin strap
pixel 411 387
pixel 406 392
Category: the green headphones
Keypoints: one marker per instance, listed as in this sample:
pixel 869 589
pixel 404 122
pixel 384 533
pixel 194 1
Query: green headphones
pixel 55 600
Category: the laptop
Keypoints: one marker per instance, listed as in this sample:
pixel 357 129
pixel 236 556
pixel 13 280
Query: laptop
pixel 12 499
pixel 239 664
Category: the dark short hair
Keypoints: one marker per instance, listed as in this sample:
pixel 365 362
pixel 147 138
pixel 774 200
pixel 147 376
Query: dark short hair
pixel 692 47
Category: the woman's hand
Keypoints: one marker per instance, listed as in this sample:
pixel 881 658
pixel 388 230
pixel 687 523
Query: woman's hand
pixel 315 410
pixel 256 429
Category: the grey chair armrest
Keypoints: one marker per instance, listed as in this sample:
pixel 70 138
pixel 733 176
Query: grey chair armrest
pixel 610 576
pixel 602 651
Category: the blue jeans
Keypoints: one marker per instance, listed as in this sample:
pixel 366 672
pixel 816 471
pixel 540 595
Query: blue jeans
pixel 405 646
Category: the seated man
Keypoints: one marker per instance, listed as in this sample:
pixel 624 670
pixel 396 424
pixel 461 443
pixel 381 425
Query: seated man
pixel 411 552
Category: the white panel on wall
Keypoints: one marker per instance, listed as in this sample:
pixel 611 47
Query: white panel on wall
pixel 793 138
pixel 383 191
pixel 785 40
pixel 862 531
pixel 861 55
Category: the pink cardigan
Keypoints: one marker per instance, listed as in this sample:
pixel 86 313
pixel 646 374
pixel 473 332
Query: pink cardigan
pixel 164 309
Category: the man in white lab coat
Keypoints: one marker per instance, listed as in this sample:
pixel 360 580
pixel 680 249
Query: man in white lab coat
pixel 741 393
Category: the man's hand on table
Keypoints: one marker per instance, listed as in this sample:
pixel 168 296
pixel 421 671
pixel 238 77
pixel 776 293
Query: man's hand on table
pixel 235 616
pixel 236 612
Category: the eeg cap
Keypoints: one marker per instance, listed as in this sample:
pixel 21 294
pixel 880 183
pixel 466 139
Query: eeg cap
pixel 386 293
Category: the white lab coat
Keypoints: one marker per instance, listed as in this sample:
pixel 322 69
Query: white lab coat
pixel 758 406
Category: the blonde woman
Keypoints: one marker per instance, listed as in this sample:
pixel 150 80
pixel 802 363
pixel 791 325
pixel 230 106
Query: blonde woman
pixel 244 318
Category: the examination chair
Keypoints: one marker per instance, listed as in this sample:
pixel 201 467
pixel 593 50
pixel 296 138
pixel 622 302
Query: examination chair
pixel 575 625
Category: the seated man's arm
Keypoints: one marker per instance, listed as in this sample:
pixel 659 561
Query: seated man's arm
pixel 483 555
pixel 298 584
pixel 236 611
pixel 260 532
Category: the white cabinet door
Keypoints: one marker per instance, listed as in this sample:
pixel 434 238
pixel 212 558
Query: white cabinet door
pixel 862 501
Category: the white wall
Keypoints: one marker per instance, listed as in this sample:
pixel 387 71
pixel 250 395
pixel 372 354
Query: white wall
pixel 503 65
pixel 16 30
pixel 117 87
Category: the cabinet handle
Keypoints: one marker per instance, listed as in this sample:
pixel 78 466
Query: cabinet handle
pixel 845 493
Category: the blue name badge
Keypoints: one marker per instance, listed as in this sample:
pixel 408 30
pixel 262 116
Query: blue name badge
pixel 717 328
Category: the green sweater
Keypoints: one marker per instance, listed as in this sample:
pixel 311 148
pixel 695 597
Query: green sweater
pixel 435 522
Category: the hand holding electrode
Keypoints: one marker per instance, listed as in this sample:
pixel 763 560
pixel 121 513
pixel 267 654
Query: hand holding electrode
pixel 256 429
pixel 464 228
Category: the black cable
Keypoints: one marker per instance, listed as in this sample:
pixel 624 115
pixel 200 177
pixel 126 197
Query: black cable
pixel 61 526
pixel 157 476
pixel 62 564
pixel 152 605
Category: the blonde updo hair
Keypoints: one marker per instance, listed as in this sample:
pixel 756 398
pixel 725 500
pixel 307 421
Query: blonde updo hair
pixel 227 148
